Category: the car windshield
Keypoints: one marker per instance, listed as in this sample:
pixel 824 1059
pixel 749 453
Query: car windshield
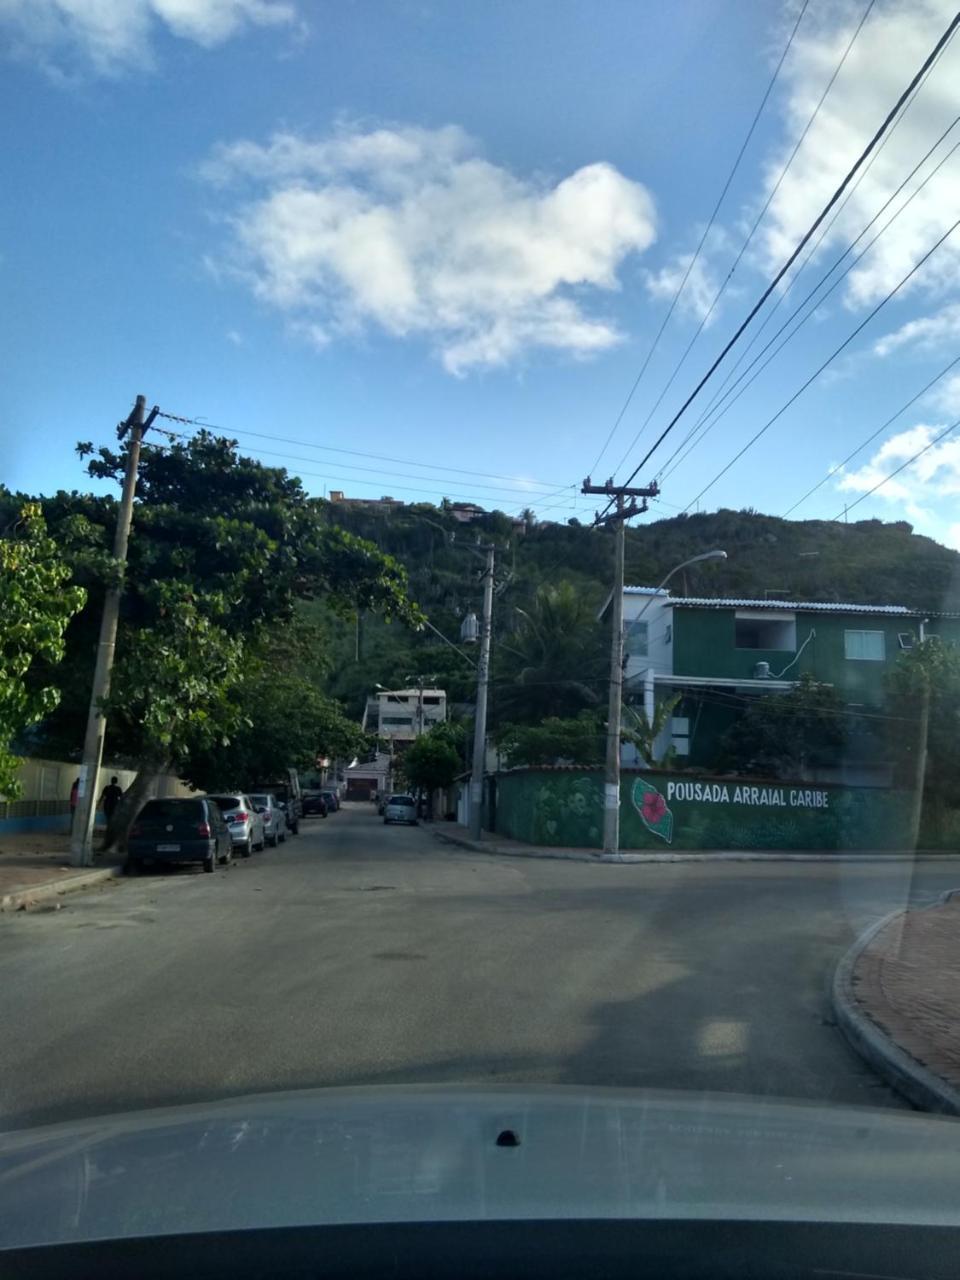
pixel 519 442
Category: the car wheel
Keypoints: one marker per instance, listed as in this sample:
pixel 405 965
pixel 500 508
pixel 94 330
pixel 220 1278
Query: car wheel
pixel 273 840
pixel 282 837
pixel 246 849
pixel 133 867
pixel 295 829
pixel 208 863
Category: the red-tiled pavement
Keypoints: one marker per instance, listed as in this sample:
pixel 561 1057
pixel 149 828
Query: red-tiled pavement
pixel 907 981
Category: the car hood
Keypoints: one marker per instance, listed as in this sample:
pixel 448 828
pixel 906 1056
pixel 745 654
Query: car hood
pixel 431 1154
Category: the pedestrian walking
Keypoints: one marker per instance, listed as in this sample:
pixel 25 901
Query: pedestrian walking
pixel 111 797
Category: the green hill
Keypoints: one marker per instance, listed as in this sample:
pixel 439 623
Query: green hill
pixel 867 562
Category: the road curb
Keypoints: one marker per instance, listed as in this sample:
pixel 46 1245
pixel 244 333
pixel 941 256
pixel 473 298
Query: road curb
pixel 29 895
pixel 620 859
pixel 911 1078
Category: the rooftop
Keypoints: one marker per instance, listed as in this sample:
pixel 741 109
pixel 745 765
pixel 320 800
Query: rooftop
pixel 795 606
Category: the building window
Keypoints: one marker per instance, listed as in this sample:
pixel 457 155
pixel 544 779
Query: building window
pixel 635 638
pixel 395 722
pixel 754 632
pixel 864 646
pixel 431 701
pixel 905 640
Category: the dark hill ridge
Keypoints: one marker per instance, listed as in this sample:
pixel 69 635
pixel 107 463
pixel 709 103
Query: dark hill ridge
pixel 866 562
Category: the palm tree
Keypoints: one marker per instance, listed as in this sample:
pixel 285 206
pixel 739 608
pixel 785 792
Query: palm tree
pixel 553 664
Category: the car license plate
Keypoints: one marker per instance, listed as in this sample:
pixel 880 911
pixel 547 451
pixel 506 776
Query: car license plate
pixel 168 848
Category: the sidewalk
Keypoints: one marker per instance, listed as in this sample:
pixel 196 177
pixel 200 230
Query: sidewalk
pixel 34 868
pixel 896 995
pixel 455 833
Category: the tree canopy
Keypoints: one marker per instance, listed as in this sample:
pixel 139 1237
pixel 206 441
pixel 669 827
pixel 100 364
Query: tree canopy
pixel 36 605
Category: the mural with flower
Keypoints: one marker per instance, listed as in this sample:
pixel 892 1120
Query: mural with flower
pixel 653 810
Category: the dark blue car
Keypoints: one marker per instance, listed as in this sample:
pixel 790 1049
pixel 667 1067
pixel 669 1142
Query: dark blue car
pixel 179 830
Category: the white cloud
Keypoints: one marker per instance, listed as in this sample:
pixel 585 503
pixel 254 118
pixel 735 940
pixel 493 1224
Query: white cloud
pixel 947 396
pixel 412 231
pixel 698 292
pixel 893 43
pixel 952 537
pixel 935 475
pixel 926 333
pixel 110 35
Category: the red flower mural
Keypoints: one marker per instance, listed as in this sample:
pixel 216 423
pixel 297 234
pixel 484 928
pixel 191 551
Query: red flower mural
pixel 654 807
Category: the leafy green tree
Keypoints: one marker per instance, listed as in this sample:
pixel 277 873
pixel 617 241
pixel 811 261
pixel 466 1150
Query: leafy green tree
pixel 432 760
pixel 283 718
pixel 576 740
pixel 781 735
pixel 35 607
pixel 223 549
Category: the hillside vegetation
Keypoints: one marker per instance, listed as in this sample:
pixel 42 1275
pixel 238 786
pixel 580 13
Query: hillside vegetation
pixel 867 562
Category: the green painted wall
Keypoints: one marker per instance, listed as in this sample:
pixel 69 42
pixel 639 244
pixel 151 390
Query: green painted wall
pixel 564 808
pixel 704 645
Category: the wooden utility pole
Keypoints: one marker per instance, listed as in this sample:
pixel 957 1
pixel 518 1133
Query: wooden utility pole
pixel 618 518
pixel 81 836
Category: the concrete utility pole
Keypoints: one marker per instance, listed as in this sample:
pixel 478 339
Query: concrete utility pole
pixel 81 836
pixel 618 518
pixel 483 677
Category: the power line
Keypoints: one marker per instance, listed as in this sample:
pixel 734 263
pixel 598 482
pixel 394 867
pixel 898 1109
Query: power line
pixel 824 232
pixel 697 251
pixel 752 232
pixel 378 471
pixel 869 440
pixel 357 453
pixel 919 454
pixel 695 435
pixel 835 197
pixel 843 345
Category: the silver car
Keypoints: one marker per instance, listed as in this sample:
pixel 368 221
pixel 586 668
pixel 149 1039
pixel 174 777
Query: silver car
pixel 273 816
pixel 243 821
pixel 401 809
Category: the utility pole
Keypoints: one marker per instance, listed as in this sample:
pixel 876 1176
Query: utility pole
pixel 81 836
pixel 480 722
pixel 618 518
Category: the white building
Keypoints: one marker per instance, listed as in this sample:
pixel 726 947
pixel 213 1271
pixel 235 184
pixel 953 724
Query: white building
pixel 401 715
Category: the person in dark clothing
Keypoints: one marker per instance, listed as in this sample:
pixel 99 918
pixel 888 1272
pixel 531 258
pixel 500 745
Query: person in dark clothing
pixel 111 798
pixel 74 796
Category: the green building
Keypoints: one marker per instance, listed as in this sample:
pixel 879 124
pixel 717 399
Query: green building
pixel 717 654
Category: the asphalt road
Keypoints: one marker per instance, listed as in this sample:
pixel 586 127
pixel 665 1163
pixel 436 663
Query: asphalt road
pixel 371 955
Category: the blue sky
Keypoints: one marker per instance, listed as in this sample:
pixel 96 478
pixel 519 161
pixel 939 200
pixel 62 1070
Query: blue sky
pixel 448 234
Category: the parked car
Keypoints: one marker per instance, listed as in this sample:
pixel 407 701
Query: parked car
pixel 179 830
pixel 272 815
pixel 332 799
pixel 244 823
pixel 315 805
pixel 285 789
pixel 401 809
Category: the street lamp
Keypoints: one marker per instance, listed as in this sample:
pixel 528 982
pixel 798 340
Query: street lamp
pixel 611 788
pixel 685 564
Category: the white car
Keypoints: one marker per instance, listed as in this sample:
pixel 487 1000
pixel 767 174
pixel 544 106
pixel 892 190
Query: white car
pixel 243 822
pixel 401 809
pixel 273 816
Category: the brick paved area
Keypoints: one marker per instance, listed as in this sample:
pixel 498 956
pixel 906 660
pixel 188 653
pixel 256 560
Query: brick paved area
pixel 907 981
